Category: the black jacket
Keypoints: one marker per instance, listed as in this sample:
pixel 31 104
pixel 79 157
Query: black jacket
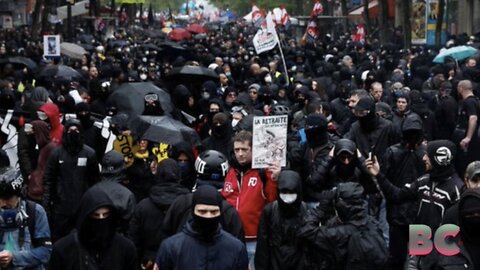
pixel 378 140
pixel 146 225
pixel 434 197
pixel 70 254
pixel 181 211
pixel 401 166
pixel 67 177
pixel 278 246
pixel 328 239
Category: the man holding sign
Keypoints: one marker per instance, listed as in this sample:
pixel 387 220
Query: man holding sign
pixel 248 189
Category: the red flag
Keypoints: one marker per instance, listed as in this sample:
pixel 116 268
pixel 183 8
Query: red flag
pixel 360 35
pixel 285 18
pixel 317 9
pixel 312 31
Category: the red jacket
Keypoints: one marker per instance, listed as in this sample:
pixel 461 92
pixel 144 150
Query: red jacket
pixel 249 196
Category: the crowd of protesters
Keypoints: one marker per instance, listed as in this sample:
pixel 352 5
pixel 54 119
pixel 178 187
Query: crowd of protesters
pixel 378 138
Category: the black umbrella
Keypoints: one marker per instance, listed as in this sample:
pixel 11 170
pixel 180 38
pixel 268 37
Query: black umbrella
pixel 60 72
pixel 163 129
pixel 129 98
pixel 193 72
pixel 150 46
pixel 20 61
pixel 171 45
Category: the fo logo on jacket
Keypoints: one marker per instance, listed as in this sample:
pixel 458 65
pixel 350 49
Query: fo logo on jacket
pixel 252 181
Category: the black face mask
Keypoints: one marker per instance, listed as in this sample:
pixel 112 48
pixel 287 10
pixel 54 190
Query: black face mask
pixel 471 227
pixel 207 227
pixel 184 169
pixel 368 122
pixel 84 119
pixel 219 131
pixel 97 234
pixel 73 142
pixel 316 136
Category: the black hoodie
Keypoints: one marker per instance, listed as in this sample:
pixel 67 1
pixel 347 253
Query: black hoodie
pixel 278 246
pixel 76 252
pixel 146 225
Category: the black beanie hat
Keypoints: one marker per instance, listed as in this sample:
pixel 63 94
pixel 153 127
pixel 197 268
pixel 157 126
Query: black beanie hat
pixel 316 120
pixel 441 152
pixel 208 195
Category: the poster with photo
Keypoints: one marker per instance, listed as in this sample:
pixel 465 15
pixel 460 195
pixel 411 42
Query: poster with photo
pixel 419 24
pixel 269 144
pixel 7 22
pixel 51 45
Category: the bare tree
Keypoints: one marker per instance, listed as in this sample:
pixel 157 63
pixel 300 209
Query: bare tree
pixel 438 26
pixel 366 17
pixel 407 23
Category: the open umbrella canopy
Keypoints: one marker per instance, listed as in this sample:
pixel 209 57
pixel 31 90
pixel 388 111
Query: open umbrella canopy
pixel 458 53
pixel 21 62
pixel 72 50
pixel 129 98
pixel 193 72
pixel 196 28
pixel 163 129
pixel 59 72
pixel 179 34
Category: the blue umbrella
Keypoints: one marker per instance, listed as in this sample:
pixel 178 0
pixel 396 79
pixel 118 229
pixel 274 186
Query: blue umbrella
pixel 458 53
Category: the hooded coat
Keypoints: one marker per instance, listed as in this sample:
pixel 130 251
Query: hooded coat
pixel 187 250
pixel 56 127
pixel 278 246
pixel 146 225
pixel 469 249
pixel 67 177
pixel 69 253
pixel 403 166
pixel 46 146
pixel 435 191
pixel 331 240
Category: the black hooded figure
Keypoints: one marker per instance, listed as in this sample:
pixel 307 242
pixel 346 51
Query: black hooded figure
pixel 278 246
pixel 146 225
pixel 95 244
pixel 343 212
pixel 468 239
pixel 72 141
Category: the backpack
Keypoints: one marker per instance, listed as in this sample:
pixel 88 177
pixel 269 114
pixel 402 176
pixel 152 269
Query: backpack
pixel 366 249
pixel 31 213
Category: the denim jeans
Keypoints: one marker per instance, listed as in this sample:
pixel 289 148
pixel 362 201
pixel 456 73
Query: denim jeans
pixel 251 247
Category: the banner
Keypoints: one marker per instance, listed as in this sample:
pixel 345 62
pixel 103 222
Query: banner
pixel 7 22
pixel 51 45
pixel 317 9
pixel 433 10
pixel 360 35
pixel 419 10
pixel 258 18
pixel 269 141
pixel 264 41
pixel 312 31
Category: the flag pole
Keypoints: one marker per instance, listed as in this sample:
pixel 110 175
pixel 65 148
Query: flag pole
pixel 283 58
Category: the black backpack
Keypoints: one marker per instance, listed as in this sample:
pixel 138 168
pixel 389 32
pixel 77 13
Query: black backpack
pixel 366 249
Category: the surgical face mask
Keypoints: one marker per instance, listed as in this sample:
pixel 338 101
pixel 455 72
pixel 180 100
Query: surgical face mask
pixel 235 122
pixel 143 76
pixel 42 116
pixel 288 198
pixel 268 79
pixel 205 95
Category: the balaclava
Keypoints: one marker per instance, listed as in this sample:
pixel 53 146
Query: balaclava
pixel 83 118
pixel 206 227
pixel 441 154
pixel 316 129
pixel 469 222
pixel 219 125
pixel 73 141
pixel 369 121
pixel 345 171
